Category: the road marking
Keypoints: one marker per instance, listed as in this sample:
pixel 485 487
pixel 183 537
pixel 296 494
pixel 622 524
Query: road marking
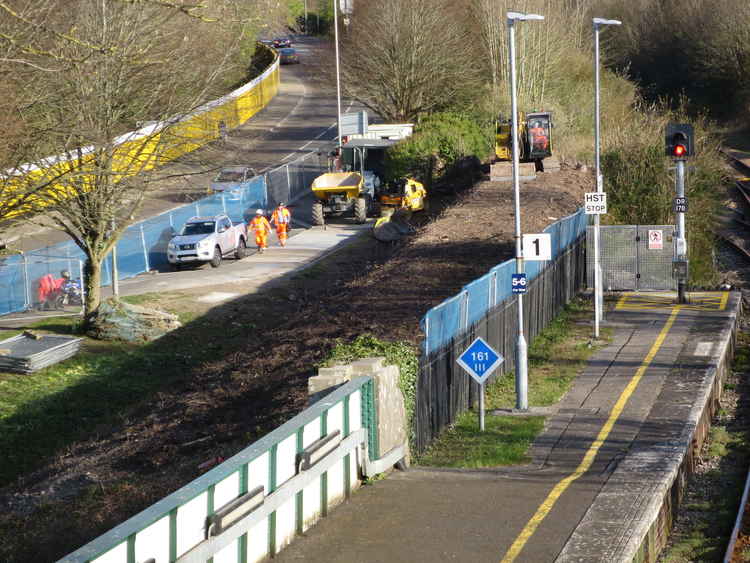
pixel 698 301
pixel 703 348
pixel 588 458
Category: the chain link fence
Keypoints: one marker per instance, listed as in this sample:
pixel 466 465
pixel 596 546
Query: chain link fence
pixel 143 245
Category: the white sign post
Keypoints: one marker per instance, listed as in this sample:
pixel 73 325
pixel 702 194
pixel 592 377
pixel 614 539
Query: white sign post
pixel 595 203
pixel 537 247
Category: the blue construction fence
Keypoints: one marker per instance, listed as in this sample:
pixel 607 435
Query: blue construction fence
pixel 487 308
pixel 143 246
pixel 453 316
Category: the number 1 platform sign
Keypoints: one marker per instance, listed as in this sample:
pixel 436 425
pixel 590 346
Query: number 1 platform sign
pixel 480 360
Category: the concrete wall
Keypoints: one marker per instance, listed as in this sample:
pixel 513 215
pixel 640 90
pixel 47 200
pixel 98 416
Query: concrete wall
pixel 391 422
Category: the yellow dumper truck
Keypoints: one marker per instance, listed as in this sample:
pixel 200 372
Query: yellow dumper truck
pixel 340 193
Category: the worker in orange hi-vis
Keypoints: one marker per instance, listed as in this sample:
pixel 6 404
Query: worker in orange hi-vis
pixel 262 228
pixel 281 219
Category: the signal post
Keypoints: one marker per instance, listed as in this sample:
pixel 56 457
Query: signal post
pixel 679 140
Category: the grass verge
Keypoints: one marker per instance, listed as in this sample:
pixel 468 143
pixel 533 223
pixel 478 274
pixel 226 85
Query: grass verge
pixel 555 357
pixel 86 394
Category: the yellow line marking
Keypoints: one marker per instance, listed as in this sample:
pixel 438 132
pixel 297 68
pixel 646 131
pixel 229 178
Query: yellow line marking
pixel 588 458
pixel 699 301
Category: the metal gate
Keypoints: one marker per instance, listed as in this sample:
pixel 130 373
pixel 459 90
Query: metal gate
pixel 632 257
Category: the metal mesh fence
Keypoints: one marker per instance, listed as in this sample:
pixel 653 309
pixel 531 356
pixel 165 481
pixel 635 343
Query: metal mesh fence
pixel 631 262
pixel 143 245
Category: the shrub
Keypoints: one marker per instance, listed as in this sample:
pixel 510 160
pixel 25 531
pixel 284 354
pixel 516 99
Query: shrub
pixel 443 137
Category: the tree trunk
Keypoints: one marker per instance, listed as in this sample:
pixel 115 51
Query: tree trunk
pixel 92 273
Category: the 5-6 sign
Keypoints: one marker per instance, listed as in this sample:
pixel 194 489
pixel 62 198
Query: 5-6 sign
pixel 537 247
pixel 518 283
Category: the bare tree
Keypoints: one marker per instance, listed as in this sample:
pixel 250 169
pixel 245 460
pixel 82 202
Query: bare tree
pixel 541 47
pixel 404 58
pixel 154 62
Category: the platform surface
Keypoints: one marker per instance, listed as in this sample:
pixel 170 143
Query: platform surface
pixel 596 468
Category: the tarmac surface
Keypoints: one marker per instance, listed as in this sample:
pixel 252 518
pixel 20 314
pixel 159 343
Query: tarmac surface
pixel 233 278
pixel 600 469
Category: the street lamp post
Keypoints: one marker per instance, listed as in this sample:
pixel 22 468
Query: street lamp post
pixel 522 375
pixel 338 74
pixel 598 292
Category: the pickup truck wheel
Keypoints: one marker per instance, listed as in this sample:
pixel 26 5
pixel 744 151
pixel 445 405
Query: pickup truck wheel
pixel 317 213
pixel 241 251
pixel 360 210
pixel 216 260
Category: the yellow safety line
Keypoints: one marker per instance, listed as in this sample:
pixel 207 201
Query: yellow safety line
pixel 622 300
pixel 588 458
pixel 724 300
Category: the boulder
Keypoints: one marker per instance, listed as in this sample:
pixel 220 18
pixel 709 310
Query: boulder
pixel 117 320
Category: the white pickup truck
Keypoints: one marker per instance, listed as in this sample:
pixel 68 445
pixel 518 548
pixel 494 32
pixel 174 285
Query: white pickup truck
pixel 207 239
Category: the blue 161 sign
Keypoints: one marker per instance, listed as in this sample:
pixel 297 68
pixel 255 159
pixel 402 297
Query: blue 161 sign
pixel 480 360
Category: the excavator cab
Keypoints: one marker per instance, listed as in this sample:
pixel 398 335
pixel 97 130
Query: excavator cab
pixel 535 137
pixel 538 135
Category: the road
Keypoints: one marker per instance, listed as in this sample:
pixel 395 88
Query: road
pixel 301 118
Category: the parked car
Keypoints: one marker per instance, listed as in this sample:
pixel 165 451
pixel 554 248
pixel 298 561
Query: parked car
pixel 280 42
pixel 232 177
pixel 207 239
pixel 288 56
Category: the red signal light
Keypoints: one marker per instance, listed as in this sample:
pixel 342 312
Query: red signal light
pixel 679 150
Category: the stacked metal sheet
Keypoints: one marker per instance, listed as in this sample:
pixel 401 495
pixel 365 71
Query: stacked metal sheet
pixel 27 353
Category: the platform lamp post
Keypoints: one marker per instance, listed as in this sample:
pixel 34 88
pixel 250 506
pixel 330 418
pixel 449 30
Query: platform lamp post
pixel 598 292
pixel 522 371
pixel 338 74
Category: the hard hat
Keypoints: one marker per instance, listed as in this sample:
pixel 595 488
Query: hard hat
pixel 259 212
pixel 65 274
pixel 282 204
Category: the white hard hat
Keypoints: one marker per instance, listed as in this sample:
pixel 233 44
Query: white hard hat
pixel 259 212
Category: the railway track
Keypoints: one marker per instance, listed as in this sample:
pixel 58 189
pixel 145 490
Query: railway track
pixel 736 234
pixel 736 221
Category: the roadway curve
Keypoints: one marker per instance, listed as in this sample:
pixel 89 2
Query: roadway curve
pixel 299 119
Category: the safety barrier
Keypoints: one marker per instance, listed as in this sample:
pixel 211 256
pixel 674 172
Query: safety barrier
pixel 253 504
pixel 487 307
pixel 143 246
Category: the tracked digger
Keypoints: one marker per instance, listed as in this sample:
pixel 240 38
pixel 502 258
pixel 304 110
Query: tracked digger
pixel 534 145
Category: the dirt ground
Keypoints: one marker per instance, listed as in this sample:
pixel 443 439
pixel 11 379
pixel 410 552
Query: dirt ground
pixel 257 378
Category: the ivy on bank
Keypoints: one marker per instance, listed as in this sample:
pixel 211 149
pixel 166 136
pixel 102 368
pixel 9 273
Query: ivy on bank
pixel 401 354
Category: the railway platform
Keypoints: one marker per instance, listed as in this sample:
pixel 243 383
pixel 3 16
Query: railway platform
pixel 606 473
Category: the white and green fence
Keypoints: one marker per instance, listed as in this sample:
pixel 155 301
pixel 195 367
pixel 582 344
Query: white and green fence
pixel 253 504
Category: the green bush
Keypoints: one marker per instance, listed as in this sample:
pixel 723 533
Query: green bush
pixel 401 354
pixel 444 137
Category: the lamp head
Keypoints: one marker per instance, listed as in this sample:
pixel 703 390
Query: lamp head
pixel 520 16
pixel 602 21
